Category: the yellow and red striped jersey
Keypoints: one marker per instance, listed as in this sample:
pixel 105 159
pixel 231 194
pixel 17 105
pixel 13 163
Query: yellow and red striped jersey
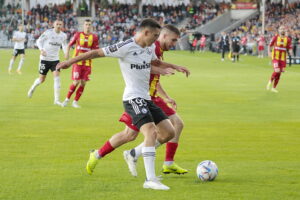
pixel 84 43
pixel 280 47
pixel 154 78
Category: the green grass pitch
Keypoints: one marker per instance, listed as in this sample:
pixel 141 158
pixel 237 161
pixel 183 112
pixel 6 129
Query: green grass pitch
pixel 252 134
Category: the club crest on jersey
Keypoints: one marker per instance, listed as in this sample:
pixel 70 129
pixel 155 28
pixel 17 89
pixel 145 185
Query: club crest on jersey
pixel 113 48
pixel 140 66
pixel 144 110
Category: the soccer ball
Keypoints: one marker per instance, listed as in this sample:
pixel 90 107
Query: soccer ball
pixel 207 170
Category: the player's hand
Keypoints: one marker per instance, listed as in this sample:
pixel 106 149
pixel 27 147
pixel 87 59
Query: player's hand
pixel 43 53
pixel 183 70
pixel 172 103
pixel 167 71
pixel 269 54
pixel 63 65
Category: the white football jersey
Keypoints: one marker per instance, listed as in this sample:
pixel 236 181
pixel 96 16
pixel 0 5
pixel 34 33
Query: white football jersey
pixel 50 42
pixel 19 35
pixel 135 64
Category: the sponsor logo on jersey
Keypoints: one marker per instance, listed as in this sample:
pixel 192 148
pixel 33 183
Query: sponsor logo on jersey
pixel 83 48
pixel 140 66
pixel 55 44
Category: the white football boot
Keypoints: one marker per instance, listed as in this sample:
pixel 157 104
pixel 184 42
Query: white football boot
pixel 65 103
pixel 155 185
pixel 269 85
pixel 30 93
pixel 274 90
pixel 131 162
pixel 75 104
pixel 57 103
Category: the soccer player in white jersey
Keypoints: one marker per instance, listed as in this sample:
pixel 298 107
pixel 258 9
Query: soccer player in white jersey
pixel 19 37
pixel 49 43
pixel 136 56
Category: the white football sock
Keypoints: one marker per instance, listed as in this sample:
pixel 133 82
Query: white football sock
pixel 138 149
pixel 56 88
pixel 149 162
pixel 21 63
pixel 11 64
pixel 168 162
pixel 35 83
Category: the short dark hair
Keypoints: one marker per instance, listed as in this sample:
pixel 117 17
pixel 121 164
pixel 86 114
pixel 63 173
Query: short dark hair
pixel 149 23
pixel 171 28
pixel 87 20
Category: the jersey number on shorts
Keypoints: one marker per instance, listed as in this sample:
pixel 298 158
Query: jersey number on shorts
pixel 138 105
pixel 76 74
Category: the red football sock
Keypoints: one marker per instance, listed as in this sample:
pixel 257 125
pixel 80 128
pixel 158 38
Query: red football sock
pixel 273 76
pixel 171 148
pixel 79 93
pixel 71 91
pixel 276 80
pixel 105 149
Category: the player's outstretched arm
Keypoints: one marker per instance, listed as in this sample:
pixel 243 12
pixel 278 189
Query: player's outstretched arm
pixel 162 71
pixel 160 63
pixel 85 56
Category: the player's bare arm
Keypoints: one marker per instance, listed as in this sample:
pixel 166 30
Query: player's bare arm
pixel 269 51
pixel 160 63
pixel 164 95
pixel 68 52
pixel 85 56
pixel 43 52
pixel 162 71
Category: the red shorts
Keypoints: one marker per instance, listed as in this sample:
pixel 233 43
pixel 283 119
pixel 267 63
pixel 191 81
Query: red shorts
pixel 163 105
pixel 279 65
pixel 261 48
pixel 126 118
pixel 202 45
pixel 81 72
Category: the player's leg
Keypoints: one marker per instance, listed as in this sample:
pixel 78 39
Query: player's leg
pixel 114 142
pixel 280 69
pixel 145 114
pixel 223 53
pixel 171 147
pixel 166 132
pixel 72 89
pixel 56 79
pixel 12 60
pixel 43 70
pixel 150 132
pixel 274 76
pixel 21 62
pixel 76 77
pixel 79 92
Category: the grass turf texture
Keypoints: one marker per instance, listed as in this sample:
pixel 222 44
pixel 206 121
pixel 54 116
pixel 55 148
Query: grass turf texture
pixel 252 134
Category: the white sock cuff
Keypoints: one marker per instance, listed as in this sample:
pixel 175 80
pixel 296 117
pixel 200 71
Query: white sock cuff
pixel 148 149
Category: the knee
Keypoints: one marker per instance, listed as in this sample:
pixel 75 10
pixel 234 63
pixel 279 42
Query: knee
pixel 180 124
pixel 169 134
pixel 42 80
pixel 82 83
pixel 130 135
